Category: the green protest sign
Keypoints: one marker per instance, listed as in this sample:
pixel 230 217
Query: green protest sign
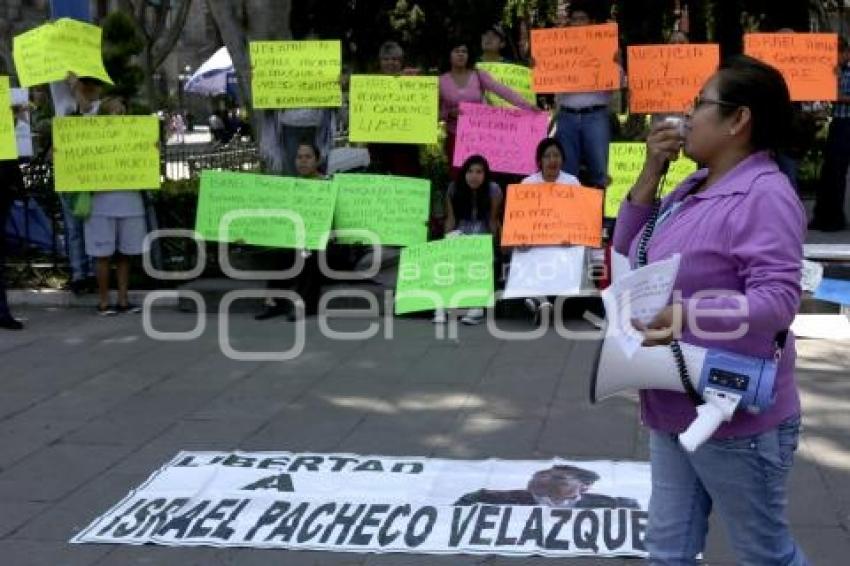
pixel 264 210
pixel 450 273
pixel 625 162
pixel 295 74
pixel 106 153
pixel 394 209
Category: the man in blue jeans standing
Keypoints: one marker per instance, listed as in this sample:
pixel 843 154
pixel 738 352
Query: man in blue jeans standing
pixel 583 123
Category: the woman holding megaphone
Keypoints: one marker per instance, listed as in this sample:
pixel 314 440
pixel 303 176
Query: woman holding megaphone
pixel 739 228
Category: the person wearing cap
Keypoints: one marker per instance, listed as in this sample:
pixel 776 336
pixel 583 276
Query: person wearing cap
pixel 492 44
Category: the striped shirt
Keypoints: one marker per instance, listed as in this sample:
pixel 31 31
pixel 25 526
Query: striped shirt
pixel 842 109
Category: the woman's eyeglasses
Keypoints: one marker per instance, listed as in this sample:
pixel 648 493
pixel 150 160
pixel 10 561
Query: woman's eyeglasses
pixel 702 101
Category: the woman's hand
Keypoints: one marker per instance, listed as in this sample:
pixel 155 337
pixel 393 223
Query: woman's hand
pixel 663 145
pixel 664 328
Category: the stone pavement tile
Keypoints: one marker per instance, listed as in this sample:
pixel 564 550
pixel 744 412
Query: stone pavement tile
pixel 264 557
pixel 399 559
pixel 56 471
pixel 811 503
pixel 443 364
pixel 119 430
pixel 314 430
pixel 21 436
pixel 40 553
pixel 83 401
pixel 156 555
pixel 406 434
pixel 16 513
pixel 75 512
pixel 823 545
pixel 511 399
pixel 607 431
pixel 154 404
pixel 14 403
pixel 545 561
pixel 486 437
pixel 237 403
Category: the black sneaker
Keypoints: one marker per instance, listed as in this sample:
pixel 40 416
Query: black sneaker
pixel 272 311
pixel 9 323
pixel 78 286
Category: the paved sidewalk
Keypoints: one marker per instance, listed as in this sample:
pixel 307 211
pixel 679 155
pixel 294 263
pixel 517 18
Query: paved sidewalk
pixel 91 406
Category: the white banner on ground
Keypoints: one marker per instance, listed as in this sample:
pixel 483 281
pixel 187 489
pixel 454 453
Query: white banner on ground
pixel 350 503
pixel 545 271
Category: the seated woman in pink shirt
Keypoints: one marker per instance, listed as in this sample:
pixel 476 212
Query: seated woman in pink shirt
pixel 464 83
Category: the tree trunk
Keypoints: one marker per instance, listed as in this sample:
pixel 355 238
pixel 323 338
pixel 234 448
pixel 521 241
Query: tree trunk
pixel 241 21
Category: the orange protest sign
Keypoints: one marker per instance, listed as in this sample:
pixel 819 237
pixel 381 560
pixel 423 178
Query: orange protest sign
pixel 575 59
pixel 806 60
pixel 666 78
pixel 552 214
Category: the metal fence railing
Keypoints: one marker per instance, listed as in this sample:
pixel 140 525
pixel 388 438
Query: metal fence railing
pixel 181 162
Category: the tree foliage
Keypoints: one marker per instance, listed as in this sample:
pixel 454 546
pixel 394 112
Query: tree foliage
pixel 121 43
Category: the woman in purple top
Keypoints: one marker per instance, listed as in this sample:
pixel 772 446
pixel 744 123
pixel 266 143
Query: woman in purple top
pixel 464 83
pixel 739 228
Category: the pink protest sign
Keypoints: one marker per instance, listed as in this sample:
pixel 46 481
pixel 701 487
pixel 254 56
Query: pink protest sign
pixel 506 137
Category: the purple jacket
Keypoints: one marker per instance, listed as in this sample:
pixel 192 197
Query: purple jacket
pixel 743 235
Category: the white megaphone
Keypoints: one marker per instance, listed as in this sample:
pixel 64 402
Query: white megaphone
pixel 718 380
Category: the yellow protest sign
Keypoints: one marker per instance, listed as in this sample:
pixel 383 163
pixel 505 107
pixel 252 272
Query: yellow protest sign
pixel 8 145
pixel 51 51
pixel 296 74
pixel 625 162
pixel 515 76
pixel 387 109
pixel 106 153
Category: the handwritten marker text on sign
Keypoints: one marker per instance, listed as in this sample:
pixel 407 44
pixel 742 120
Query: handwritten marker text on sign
pixel 106 153
pixel 666 78
pixel 506 137
pixel 625 162
pixel 552 214
pixel 388 109
pixel 49 52
pixel 515 76
pixel 282 204
pixel 296 74
pixel 451 273
pixel 806 60
pixel 575 59
pixel 393 208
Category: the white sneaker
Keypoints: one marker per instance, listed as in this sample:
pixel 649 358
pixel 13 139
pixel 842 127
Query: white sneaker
pixel 440 316
pixel 532 305
pixel 473 317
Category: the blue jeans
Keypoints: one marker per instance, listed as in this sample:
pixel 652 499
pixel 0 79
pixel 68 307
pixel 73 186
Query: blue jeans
pixel 585 137
pixel 745 477
pixel 81 264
